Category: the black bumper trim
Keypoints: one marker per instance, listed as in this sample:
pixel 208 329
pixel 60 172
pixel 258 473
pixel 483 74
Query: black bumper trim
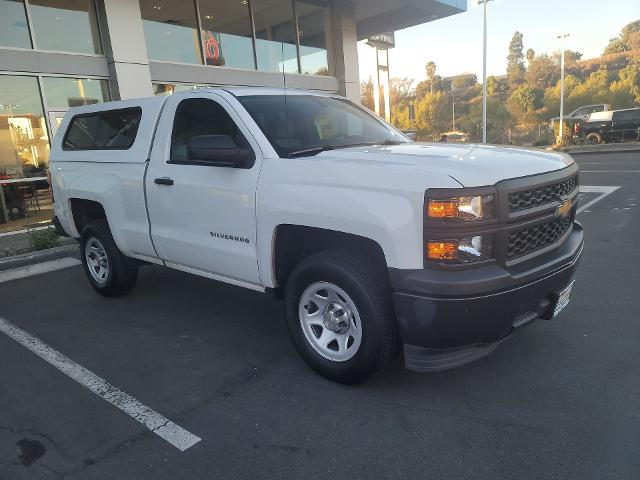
pixel 470 312
pixel 424 359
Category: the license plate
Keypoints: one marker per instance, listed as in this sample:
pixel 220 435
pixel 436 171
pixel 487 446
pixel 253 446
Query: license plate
pixel 563 299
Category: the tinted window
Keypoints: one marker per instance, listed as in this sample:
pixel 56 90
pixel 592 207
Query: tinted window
pixel 111 129
pixel 626 115
pixel 304 122
pixel 201 116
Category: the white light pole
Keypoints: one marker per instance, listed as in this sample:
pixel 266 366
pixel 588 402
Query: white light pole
pixel 561 38
pixel 453 112
pixel 484 71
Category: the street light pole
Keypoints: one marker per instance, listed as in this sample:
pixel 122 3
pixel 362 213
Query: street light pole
pixel 484 71
pixel 561 38
pixel 453 112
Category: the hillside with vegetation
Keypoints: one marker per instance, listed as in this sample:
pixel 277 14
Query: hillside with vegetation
pixel 521 103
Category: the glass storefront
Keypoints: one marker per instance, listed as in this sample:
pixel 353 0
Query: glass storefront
pixel 275 36
pixel 171 31
pixel 14 29
pixel 62 93
pixel 65 25
pixel 226 33
pixel 312 24
pixel 24 142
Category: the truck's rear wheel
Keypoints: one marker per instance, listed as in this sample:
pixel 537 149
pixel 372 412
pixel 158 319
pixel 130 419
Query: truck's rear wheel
pixel 110 272
pixel 594 138
pixel 340 315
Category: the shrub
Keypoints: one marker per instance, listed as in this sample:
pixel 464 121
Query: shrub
pixel 43 239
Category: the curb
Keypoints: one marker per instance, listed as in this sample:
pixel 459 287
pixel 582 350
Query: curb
pixel 31 258
pixel 607 149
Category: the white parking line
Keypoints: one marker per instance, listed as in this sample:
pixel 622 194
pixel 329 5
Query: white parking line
pixel 38 268
pixel 161 426
pixel 601 189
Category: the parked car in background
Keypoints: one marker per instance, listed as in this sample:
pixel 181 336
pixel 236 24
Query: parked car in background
pixel 611 126
pixel 581 113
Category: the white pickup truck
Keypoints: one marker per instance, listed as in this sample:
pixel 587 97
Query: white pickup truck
pixel 375 243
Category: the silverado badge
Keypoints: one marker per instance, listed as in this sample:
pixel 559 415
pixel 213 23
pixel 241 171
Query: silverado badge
pixel 564 209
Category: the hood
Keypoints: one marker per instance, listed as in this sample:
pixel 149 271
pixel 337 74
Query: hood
pixel 471 165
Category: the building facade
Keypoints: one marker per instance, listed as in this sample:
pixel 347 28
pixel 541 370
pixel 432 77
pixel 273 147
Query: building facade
pixel 56 54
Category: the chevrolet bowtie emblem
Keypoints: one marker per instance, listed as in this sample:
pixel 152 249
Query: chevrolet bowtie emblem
pixel 564 209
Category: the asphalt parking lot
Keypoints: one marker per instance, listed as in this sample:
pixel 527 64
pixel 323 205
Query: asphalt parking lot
pixel 561 399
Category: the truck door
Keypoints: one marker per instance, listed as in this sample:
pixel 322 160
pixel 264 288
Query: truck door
pixel 624 124
pixel 202 213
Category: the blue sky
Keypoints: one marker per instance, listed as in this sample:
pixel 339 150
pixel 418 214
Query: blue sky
pixel 455 43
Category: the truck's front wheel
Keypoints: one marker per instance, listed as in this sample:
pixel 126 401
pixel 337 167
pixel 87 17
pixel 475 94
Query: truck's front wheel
pixel 340 315
pixel 110 272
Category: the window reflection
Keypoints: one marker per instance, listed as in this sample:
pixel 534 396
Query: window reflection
pixel 275 36
pixel 169 88
pixel 14 31
pixel 24 154
pixel 171 31
pixel 312 23
pixel 73 92
pixel 226 33
pixel 65 25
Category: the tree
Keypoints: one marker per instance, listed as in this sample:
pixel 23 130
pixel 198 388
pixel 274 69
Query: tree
pixel 492 85
pixel 622 43
pixel 465 80
pixel 431 74
pixel 433 115
pixel 400 89
pixel 531 54
pixel 515 59
pixel 424 87
pixel 366 94
pixel 524 102
pixel 543 72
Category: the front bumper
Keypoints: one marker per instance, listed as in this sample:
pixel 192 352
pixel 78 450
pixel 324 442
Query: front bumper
pixel 449 318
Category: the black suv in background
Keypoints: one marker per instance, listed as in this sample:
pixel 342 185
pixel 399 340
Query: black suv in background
pixel 612 126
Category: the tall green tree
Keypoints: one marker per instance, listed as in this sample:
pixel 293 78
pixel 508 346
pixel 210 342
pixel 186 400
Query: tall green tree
pixel 515 60
pixel 431 73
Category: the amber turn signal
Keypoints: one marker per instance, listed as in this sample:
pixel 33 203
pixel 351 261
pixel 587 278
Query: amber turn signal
pixel 442 250
pixel 442 209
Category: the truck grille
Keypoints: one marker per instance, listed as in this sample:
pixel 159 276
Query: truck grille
pixel 528 240
pixel 541 195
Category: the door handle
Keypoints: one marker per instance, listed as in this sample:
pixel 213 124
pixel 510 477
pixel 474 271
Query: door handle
pixel 164 181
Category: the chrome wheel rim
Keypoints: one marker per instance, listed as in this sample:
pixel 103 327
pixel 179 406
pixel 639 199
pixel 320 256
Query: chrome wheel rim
pixel 97 260
pixel 330 321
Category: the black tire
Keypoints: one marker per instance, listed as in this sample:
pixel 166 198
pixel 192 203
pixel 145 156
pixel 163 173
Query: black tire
pixel 594 138
pixel 366 282
pixel 122 271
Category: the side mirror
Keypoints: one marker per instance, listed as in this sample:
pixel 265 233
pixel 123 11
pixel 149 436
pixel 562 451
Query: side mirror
pixel 220 151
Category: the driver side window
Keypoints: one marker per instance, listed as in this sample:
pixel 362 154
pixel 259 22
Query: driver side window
pixel 201 116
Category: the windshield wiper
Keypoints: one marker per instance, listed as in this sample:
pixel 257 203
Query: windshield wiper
pixel 311 151
pixel 316 150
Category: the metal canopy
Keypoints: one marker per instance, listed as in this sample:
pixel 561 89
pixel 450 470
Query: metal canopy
pixel 378 16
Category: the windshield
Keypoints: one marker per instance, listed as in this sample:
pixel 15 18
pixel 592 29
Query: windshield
pixel 308 124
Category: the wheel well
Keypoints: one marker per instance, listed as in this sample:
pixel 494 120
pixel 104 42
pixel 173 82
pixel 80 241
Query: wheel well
pixel 85 211
pixel 294 243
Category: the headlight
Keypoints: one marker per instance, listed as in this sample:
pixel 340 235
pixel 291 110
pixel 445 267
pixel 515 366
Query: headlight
pixel 465 250
pixel 479 207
